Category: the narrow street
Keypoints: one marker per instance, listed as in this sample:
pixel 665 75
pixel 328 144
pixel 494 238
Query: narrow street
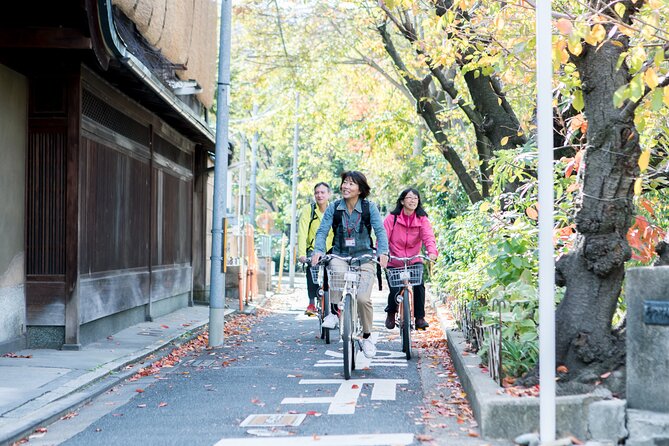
pixel 277 383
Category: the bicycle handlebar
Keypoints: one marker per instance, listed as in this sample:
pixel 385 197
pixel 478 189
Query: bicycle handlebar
pixel 406 260
pixel 350 260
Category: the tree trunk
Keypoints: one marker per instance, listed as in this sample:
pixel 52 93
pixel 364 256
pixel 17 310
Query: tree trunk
pixel 593 271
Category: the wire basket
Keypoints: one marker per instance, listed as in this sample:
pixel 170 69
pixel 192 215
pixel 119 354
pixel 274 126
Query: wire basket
pixel 337 279
pixel 413 273
pixel 315 271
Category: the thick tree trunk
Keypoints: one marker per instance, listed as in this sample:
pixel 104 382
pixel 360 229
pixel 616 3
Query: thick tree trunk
pixel 594 270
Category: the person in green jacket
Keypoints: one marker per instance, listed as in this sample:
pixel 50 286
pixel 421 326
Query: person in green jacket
pixel 310 220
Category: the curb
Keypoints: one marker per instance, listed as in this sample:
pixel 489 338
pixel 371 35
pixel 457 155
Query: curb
pixel 90 385
pixel 502 416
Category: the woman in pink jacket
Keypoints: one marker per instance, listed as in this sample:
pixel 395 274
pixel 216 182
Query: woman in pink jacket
pixel 408 228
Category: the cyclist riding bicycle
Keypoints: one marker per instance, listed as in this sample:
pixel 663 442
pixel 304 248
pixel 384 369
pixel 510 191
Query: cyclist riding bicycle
pixel 352 219
pixel 408 228
pixel 310 220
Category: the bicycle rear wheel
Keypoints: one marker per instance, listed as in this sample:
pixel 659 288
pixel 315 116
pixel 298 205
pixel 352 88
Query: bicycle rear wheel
pixel 347 337
pixel 406 325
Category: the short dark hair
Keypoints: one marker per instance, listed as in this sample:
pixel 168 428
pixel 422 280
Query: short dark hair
pixel 359 179
pixel 398 205
pixel 322 183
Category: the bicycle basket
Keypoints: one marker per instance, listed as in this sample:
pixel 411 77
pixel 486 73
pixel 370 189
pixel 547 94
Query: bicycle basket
pixel 337 279
pixel 314 270
pixel 413 273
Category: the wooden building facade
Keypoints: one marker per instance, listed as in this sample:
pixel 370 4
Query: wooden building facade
pixel 114 162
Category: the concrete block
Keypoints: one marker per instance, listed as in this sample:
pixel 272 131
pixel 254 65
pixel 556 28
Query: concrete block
pixel 647 344
pixel 647 428
pixel 502 416
pixel 606 420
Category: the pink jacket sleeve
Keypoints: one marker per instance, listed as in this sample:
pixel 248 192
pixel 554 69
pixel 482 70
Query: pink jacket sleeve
pixel 427 235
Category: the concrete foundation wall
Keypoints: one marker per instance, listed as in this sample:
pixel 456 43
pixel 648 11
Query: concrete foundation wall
pixel 13 130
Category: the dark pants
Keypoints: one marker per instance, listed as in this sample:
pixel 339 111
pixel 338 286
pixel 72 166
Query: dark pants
pixel 418 300
pixel 312 288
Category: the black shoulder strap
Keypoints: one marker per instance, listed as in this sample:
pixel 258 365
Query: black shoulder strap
pixel 311 220
pixel 336 217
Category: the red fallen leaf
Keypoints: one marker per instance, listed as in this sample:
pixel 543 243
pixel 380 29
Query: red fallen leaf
pixel 562 369
pixel 164 326
pixel 139 390
pixel 473 433
pixel 69 416
pixel 355 386
pixel 460 420
pixel 424 437
pixel 41 430
pixel 605 375
pixel 314 413
pixel 185 325
pixel 162 404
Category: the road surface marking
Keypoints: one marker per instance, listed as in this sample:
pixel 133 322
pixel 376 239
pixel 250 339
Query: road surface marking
pixel 400 439
pixel 274 419
pixel 345 399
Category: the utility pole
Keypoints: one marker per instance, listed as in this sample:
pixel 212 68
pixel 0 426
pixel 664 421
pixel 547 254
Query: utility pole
pixel 217 287
pixel 293 207
pixel 254 170
pixel 547 411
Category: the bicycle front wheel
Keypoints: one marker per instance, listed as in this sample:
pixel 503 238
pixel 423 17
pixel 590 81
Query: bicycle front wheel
pixel 347 336
pixel 406 325
pixel 325 332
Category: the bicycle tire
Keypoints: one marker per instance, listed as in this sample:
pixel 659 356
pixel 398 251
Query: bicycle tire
pixel 347 337
pixel 406 325
pixel 325 332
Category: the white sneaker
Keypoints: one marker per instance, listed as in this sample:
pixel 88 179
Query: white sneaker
pixel 330 321
pixel 368 348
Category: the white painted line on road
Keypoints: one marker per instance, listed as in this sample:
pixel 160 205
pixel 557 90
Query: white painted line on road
pixel 400 439
pixel 344 401
pixel 308 400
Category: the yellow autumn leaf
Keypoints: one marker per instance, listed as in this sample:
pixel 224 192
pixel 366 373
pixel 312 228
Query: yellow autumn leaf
pixel 599 32
pixel 504 140
pixel 637 186
pixel 644 159
pixel 626 30
pixel 651 79
pixel 576 49
pixel 620 9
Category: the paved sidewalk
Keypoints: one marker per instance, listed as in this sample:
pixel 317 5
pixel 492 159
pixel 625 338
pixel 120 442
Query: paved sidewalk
pixel 41 385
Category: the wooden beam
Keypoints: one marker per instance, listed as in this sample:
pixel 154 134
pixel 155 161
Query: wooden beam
pixel 36 37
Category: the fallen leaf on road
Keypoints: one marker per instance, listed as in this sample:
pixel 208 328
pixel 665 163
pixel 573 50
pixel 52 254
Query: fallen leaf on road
pixel 164 326
pixel 139 390
pixel 424 437
pixel 162 404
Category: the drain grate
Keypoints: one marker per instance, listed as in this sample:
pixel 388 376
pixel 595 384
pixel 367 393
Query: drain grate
pixel 151 332
pixel 201 363
pixel 275 419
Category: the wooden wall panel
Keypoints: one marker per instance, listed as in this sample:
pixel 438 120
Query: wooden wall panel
pixel 115 208
pixel 45 201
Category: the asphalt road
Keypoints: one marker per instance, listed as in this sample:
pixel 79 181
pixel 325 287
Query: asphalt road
pixel 276 384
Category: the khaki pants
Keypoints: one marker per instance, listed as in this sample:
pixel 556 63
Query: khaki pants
pixel 367 276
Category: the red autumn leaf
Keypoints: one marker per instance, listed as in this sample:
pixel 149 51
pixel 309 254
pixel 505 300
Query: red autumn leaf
pixel 314 413
pixel 355 386
pixel 139 390
pixel 562 369
pixel 164 326
pixel 605 375
pixel 473 433
pixel 41 430
pixel 162 404
pixel 424 437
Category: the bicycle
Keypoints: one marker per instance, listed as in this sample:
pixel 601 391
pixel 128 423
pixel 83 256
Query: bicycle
pixel 405 277
pixel 350 326
pixel 323 302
